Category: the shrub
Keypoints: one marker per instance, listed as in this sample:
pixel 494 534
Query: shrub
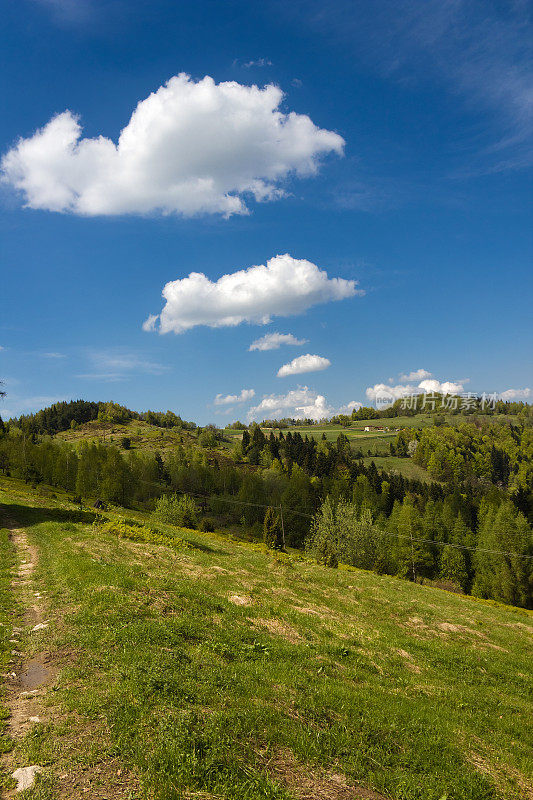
pixel 176 510
pixel 139 533
pixel 206 525
pixel 210 436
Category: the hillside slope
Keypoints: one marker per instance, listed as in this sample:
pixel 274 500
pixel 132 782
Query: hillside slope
pixel 202 668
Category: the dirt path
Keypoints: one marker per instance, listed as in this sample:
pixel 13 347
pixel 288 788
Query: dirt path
pixel 34 668
pixel 29 676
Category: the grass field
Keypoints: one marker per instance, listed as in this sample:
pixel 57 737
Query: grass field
pixel 404 466
pixel 377 441
pixel 209 669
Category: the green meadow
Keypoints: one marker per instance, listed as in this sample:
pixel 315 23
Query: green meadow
pixel 190 665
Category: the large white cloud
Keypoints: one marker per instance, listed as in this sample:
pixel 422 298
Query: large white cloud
pixel 273 341
pixel 189 148
pixel 230 399
pixel 283 287
pixel 516 394
pixel 301 364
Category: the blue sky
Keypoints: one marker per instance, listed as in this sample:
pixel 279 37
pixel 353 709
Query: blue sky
pixel 389 164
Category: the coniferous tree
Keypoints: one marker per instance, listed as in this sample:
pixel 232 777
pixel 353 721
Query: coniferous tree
pixel 272 530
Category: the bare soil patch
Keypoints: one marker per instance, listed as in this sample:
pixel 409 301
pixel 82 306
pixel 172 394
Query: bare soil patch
pixel 28 678
pixel 310 783
pixel 240 600
pixel 278 628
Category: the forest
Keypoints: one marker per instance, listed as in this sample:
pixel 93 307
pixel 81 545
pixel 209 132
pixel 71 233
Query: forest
pixel 468 529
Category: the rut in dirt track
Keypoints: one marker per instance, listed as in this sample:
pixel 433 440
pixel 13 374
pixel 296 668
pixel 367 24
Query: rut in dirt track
pixel 28 678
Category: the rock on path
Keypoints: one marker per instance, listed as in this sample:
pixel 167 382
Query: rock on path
pixel 25 777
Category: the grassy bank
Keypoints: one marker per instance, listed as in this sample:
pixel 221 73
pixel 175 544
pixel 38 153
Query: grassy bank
pixel 214 670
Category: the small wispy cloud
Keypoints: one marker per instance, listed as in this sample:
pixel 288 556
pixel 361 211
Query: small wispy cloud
pixel 479 51
pixel 371 193
pixel 119 365
pixel 273 341
pixel 257 62
pixel 27 405
pixel 68 11
pixel 53 355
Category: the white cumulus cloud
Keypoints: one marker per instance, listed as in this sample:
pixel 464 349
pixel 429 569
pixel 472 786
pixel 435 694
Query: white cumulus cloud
pixel 273 341
pixel 416 375
pixel 283 287
pixel 446 387
pixel 516 394
pixel 301 403
pixel 230 399
pixel 301 364
pixel 189 148
pixel 380 391
pixel 347 408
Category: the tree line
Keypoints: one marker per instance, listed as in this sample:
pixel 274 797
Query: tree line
pixel 64 415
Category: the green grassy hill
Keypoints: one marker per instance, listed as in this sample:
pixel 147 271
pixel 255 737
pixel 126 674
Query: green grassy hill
pixel 187 665
pixel 142 435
